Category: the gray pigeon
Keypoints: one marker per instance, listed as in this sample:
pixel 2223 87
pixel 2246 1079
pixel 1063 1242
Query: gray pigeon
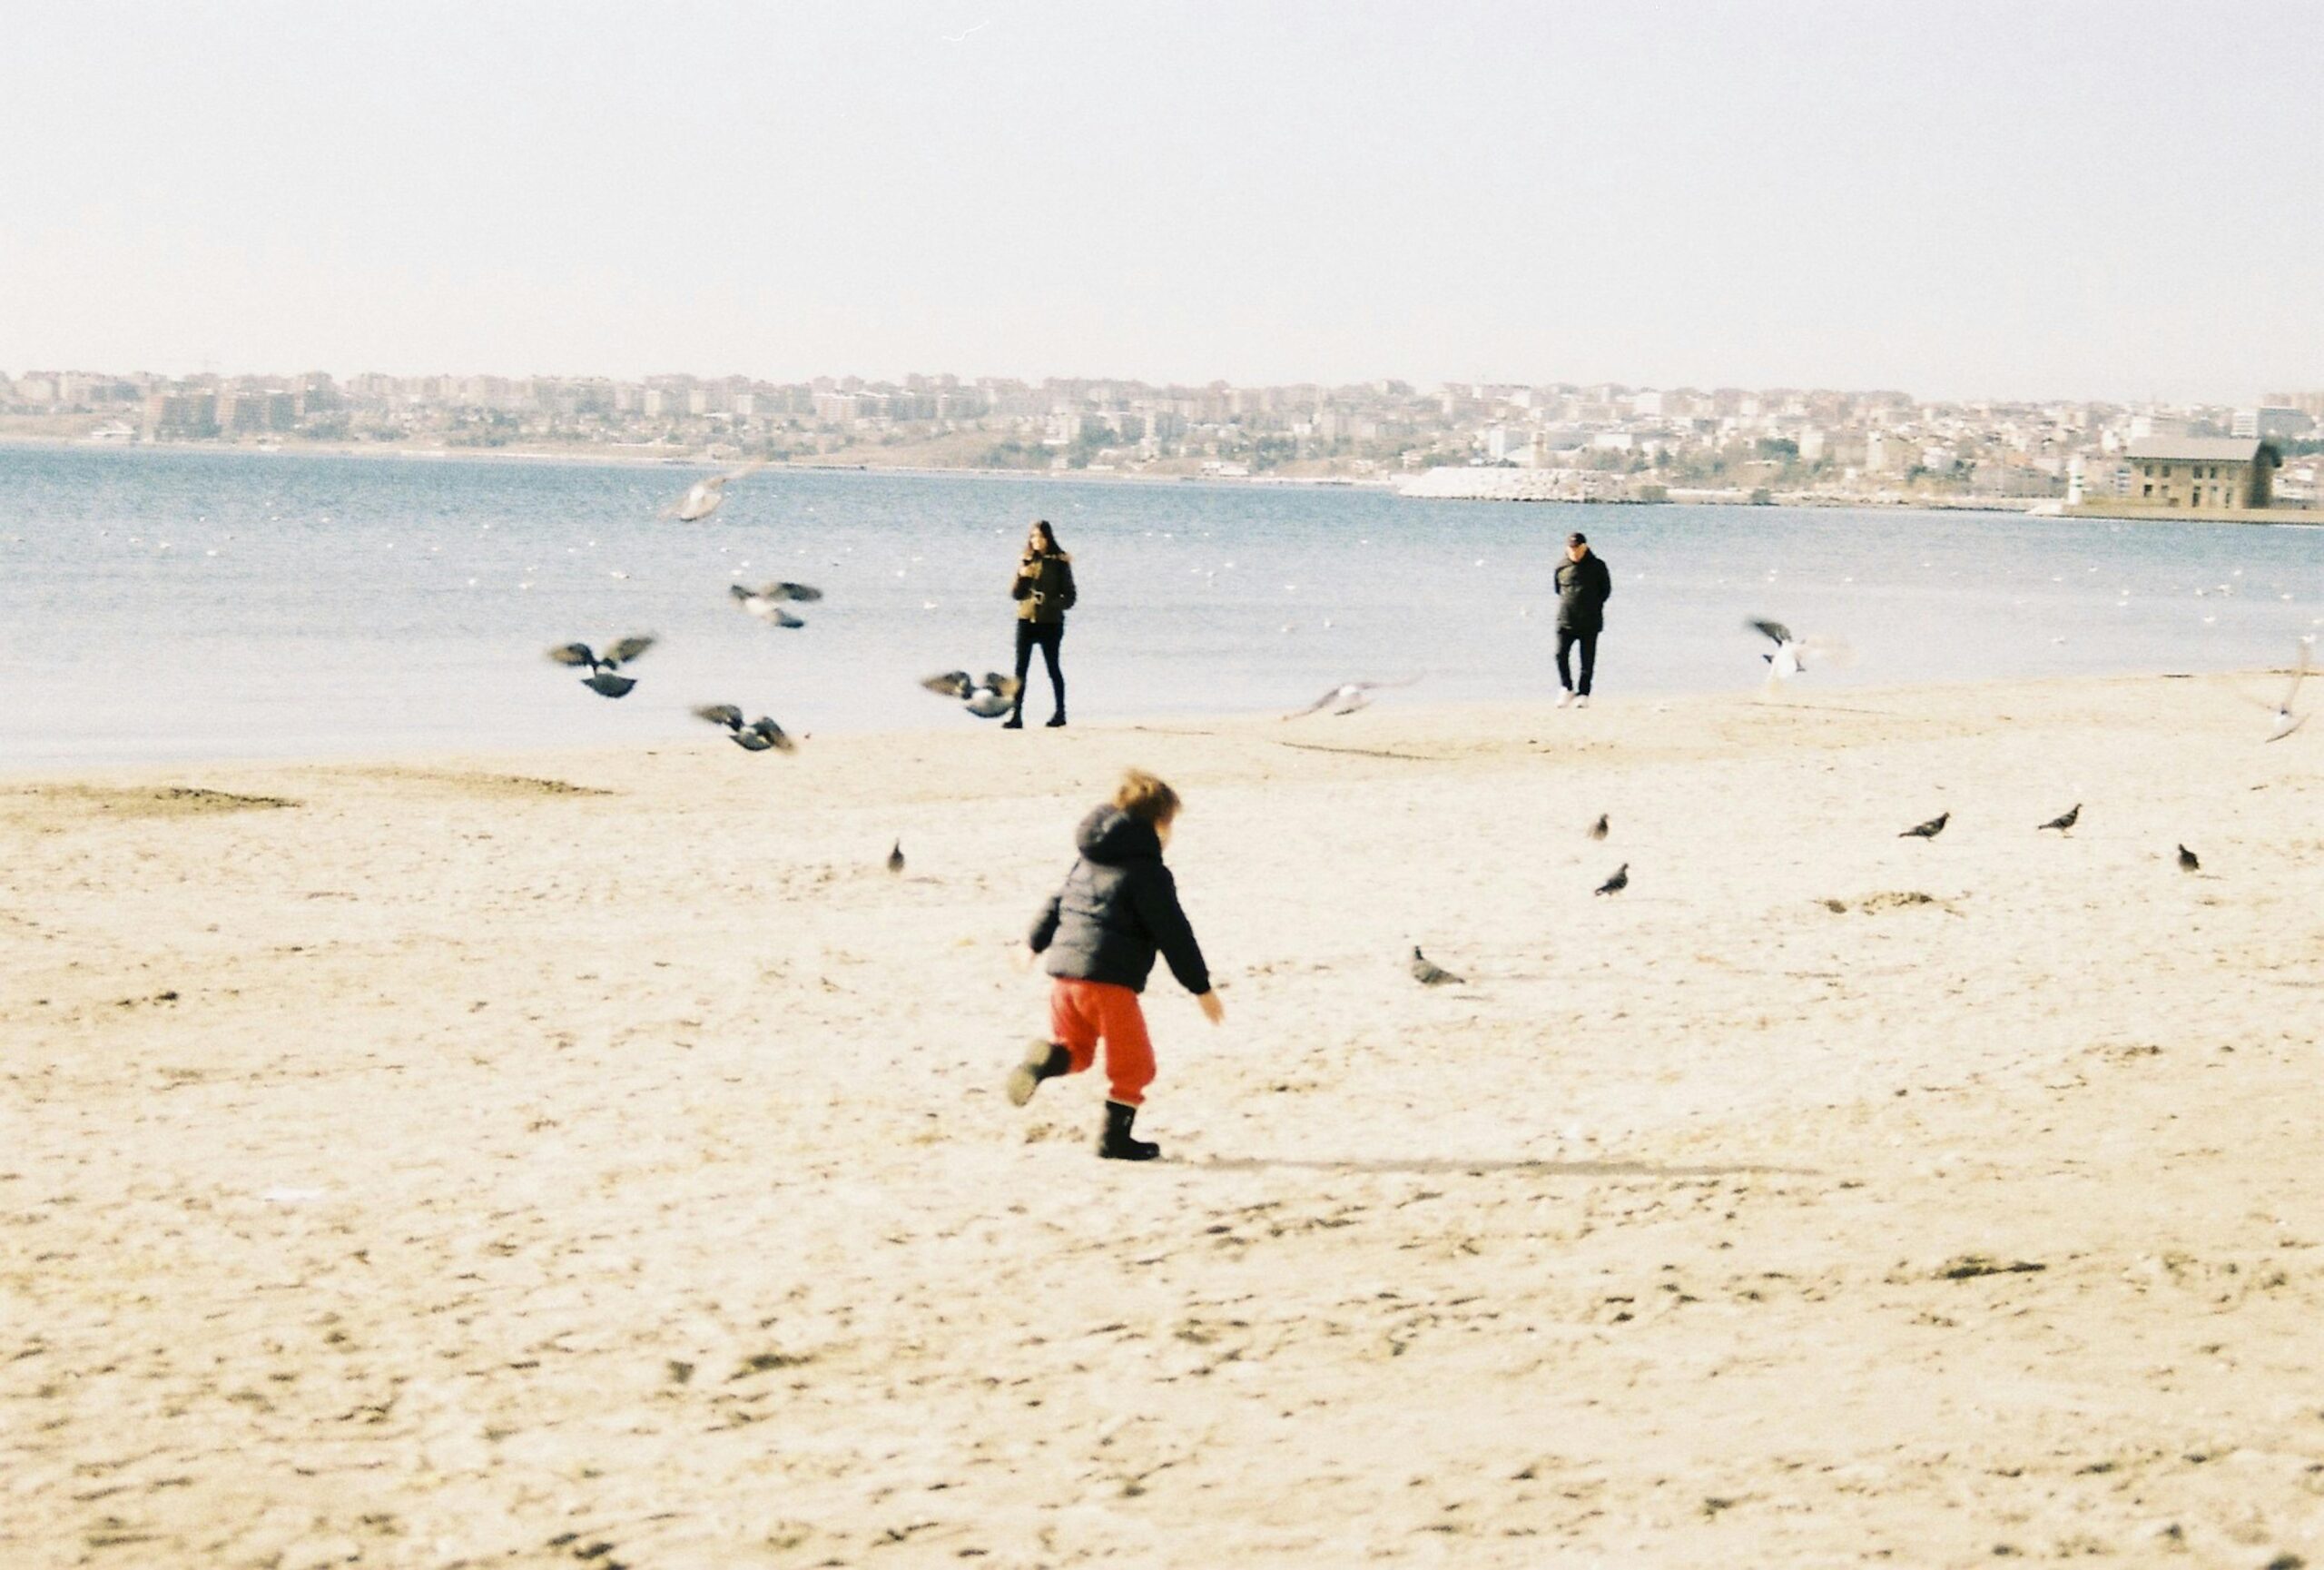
pixel 603 679
pixel 766 601
pixel 896 858
pixel 988 698
pixel 761 734
pixel 2064 820
pixel 1618 882
pixel 1929 830
pixel 1597 829
pixel 2187 862
pixel 1429 974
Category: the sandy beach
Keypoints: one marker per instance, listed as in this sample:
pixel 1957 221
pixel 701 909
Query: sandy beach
pixel 599 1158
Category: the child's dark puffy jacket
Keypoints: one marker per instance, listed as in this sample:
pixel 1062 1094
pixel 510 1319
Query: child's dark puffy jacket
pixel 1118 906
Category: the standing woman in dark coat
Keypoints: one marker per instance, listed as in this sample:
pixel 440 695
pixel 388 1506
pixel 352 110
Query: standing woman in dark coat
pixel 1044 593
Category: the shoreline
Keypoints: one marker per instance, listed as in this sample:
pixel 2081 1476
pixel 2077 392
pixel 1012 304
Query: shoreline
pixel 1380 485
pixel 1259 725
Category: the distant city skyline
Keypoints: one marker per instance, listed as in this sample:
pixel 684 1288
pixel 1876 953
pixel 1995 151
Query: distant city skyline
pixel 2075 200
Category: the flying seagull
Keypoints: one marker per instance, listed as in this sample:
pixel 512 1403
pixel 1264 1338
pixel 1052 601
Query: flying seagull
pixel 1929 830
pixel 602 678
pixel 1618 882
pixel 758 736
pixel 896 859
pixel 1597 829
pixel 766 601
pixel 987 699
pixel 704 496
pixel 2285 721
pixel 1430 974
pixel 1790 656
pixel 2187 862
pixel 1348 696
pixel 2064 820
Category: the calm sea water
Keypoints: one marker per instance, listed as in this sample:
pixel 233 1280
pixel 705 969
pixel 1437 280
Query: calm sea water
pixel 166 604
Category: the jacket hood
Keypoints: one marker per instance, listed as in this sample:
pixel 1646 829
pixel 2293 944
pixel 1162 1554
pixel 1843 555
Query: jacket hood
pixel 1111 837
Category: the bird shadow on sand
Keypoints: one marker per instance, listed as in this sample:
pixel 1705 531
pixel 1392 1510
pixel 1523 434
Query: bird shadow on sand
pixel 1427 1165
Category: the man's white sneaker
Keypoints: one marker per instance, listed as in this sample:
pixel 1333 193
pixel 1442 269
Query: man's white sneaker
pixel 1581 702
pixel 1564 698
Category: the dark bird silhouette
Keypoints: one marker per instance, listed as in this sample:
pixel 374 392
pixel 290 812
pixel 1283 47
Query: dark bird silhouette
pixel 2064 820
pixel 1430 974
pixel 988 698
pixel 760 734
pixel 2187 862
pixel 603 678
pixel 1597 829
pixel 766 602
pixel 1618 882
pixel 1929 830
pixel 896 858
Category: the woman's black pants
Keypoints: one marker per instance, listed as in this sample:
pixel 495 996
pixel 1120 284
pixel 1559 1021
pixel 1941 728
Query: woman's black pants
pixel 1045 636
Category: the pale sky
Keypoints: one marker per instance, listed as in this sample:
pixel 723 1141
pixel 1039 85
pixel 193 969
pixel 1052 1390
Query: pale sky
pixel 2012 198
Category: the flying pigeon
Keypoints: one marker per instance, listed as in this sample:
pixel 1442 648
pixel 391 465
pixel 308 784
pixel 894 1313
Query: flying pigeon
pixel 602 678
pixel 987 699
pixel 1597 829
pixel 758 736
pixel 1618 882
pixel 1789 657
pixel 766 601
pixel 704 496
pixel 2187 862
pixel 2064 820
pixel 2285 721
pixel 1929 830
pixel 896 859
pixel 1348 696
pixel 1430 974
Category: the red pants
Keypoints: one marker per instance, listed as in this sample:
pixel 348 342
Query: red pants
pixel 1082 1013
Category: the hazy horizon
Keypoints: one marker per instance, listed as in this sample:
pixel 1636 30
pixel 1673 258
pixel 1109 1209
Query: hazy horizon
pixel 2113 203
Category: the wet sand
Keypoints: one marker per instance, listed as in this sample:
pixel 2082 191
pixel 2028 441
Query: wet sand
pixel 599 1158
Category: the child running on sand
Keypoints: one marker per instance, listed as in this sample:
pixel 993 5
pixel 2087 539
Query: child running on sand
pixel 1101 930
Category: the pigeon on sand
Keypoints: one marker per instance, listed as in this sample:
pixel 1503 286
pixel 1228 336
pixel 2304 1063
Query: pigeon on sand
pixel 2187 862
pixel 2064 820
pixel 603 679
pixel 1430 974
pixel 896 858
pixel 1597 829
pixel 1617 883
pixel 1929 830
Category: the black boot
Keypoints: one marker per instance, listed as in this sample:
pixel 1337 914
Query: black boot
pixel 1015 721
pixel 1043 1061
pixel 1117 1145
pixel 1057 719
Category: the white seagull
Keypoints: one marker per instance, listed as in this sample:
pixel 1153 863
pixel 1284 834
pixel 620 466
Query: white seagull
pixel 704 496
pixel 1348 696
pixel 2285 721
pixel 1790 656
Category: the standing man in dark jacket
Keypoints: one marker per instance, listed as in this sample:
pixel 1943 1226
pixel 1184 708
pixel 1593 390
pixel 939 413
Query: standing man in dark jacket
pixel 1118 908
pixel 1584 585
pixel 1044 592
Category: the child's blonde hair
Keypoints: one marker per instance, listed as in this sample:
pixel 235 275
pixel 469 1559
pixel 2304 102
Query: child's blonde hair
pixel 1145 797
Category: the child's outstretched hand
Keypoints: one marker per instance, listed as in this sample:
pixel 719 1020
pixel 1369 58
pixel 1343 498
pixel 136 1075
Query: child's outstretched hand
pixel 1212 1009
